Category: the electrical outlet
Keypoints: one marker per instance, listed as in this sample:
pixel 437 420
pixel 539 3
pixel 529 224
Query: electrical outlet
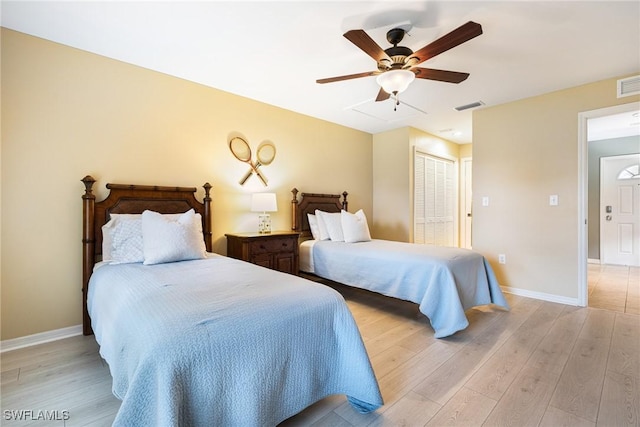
pixel 485 201
pixel 502 259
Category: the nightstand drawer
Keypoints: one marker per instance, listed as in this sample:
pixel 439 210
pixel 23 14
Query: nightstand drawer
pixel 271 246
pixel 277 250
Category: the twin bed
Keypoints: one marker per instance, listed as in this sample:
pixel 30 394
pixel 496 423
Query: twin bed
pixel 443 281
pixel 210 340
pixel 195 338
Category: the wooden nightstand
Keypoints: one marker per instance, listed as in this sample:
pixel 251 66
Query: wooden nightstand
pixel 277 250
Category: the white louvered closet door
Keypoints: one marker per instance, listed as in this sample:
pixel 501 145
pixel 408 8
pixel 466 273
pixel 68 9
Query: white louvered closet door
pixel 434 200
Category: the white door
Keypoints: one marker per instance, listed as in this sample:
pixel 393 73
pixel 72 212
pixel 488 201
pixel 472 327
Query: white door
pixel 434 201
pixel 620 210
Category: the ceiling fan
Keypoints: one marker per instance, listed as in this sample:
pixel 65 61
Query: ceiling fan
pixel 397 65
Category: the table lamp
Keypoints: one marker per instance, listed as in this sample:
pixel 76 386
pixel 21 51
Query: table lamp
pixel 264 202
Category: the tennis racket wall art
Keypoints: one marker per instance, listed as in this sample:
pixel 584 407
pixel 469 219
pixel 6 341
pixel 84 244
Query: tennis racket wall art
pixel 265 154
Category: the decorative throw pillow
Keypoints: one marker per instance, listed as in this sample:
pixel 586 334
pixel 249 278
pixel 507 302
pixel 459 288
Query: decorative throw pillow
pixel 333 224
pixel 107 239
pixel 313 226
pixel 122 239
pixel 355 227
pixel 169 240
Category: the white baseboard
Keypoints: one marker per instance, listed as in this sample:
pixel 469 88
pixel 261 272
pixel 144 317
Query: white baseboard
pixel 41 338
pixel 541 295
pixel 593 261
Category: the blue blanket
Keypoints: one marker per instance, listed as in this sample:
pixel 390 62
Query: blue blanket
pixel 220 342
pixel 444 281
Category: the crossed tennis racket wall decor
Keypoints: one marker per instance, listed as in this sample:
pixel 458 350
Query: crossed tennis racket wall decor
pixel 266 152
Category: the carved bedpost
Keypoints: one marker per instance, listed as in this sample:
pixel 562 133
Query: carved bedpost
pixel 294 210
pixel 345 204
pixel 88 247
pixel 207 217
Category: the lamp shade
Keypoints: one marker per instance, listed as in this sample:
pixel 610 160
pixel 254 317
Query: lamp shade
pixel 264 202
pixel 395 81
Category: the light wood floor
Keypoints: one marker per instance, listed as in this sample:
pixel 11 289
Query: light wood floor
pixel 614 287
pixel 541 364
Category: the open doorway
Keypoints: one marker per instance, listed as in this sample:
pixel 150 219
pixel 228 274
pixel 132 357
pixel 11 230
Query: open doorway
pixel 605 282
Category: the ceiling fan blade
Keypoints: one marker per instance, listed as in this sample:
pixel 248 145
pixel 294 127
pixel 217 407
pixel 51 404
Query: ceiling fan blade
pixel 361 39
pixel 456 37
pixel 382 95
pixel 439 75
pixel 347 77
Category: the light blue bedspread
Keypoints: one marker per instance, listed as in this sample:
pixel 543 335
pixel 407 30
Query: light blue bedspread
pixel 220 342
pixel 444 281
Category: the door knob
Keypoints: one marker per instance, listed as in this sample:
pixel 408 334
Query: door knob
pixel 608 217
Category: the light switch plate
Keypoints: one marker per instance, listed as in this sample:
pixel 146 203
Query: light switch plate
pixel 485 201
pixel 553 200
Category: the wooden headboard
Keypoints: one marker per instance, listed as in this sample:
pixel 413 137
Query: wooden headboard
pixel 131 199
pixel 308 204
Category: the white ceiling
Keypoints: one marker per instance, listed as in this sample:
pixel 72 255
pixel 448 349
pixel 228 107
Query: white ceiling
pixel 274 51
pixel 615 126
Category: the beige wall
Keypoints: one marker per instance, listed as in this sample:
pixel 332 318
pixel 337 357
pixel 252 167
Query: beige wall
pixel 393 178
pixel 67 113
pixel 391 185
pixel 523 152
pixel 466 150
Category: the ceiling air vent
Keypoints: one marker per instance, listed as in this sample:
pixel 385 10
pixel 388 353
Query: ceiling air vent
pixel 629 86
pixel 469 106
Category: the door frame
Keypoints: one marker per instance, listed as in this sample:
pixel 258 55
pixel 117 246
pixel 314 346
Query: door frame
pixel 465 232
pixel 583 160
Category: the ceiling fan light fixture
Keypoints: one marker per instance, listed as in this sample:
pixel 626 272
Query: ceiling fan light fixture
pixel 395 81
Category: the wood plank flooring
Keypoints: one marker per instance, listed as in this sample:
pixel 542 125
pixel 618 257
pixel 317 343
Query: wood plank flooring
pixel 540 364
pixel 614 287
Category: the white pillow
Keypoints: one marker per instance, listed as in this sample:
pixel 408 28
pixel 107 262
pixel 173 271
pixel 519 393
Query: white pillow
pixel 127 229
pixel 313 226
pixel 333 224
pixel 168 240
pixel 122 239
pixel 107 230
pixel 323 233
pixel 355 227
